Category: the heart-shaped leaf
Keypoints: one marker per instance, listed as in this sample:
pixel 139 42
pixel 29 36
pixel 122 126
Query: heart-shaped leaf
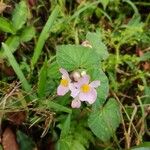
pixel 104 122
pixel 72 57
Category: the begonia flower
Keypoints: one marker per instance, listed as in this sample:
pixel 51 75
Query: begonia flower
pixel 63 88
pixel 84 90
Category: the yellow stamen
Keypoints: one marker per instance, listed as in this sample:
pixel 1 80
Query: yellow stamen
pixel 64 82
pixel 85 88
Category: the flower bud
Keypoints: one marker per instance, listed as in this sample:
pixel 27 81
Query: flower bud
pixel 75 75
pixel 83 73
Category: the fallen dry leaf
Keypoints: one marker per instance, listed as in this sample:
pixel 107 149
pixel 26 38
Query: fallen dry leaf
pixel 9 140
pixel 3 6
pixel 17 117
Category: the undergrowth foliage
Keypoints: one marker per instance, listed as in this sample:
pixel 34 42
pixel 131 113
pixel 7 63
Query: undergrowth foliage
pixel 74 75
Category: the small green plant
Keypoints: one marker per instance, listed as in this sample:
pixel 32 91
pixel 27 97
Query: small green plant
pixel 84 81
pixel 17 28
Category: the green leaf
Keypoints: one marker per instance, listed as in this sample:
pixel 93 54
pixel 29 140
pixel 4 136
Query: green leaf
pixel 68 143
pixel 1 147
pixel 42 80
pixel 16 68
pixel 103 89
pixel 64 144
pixel 44 35
pixel 104 3
pixel 145 56
pixel 72 57
pixel 133 6
pixel 143 146
pixel 6 25
pixel 27 34
pixel 20 15
pixel 104 122
pixel 12 42
pixel 53 70
pixel 95 40
pixel 24 141
pixel 57 107
pixel 66 127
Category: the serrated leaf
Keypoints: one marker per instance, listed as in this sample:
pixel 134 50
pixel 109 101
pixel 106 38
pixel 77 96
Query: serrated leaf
pixel 13 43
pixel 27 34
pixel 42 80
pixel 20 15
pixel 103 89
pixel 104 122
pixel 25 142
pixel 72 57
pixel 97 44
pixel 6 25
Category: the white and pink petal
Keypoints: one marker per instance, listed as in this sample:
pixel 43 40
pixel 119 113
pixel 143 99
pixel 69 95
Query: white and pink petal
pixel 76 103
pixel 95 84
pixel 74 90
pixel 62 90
pixel 89 97
pixel 64 72
pixel 84 80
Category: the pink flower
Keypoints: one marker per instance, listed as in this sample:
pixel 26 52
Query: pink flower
pixel 84 91
pixel 76 103
pixel 63 88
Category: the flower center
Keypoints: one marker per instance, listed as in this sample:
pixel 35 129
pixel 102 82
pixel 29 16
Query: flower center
pixel 85 88
pixel 64 82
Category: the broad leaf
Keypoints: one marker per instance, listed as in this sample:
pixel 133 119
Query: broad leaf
pixel 97 44
pixel 103 89
pixel 27 34
pixel 20 15
pixel 13 43
pixel 104 122
pixel 72 57
pixel 6 25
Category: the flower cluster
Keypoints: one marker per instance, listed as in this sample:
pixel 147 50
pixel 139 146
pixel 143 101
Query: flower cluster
pixel 81 88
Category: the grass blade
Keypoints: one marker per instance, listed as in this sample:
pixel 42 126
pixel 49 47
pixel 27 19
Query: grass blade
pixel 44 35
pixel 42 80
pixel 16 68
pixel 57 107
